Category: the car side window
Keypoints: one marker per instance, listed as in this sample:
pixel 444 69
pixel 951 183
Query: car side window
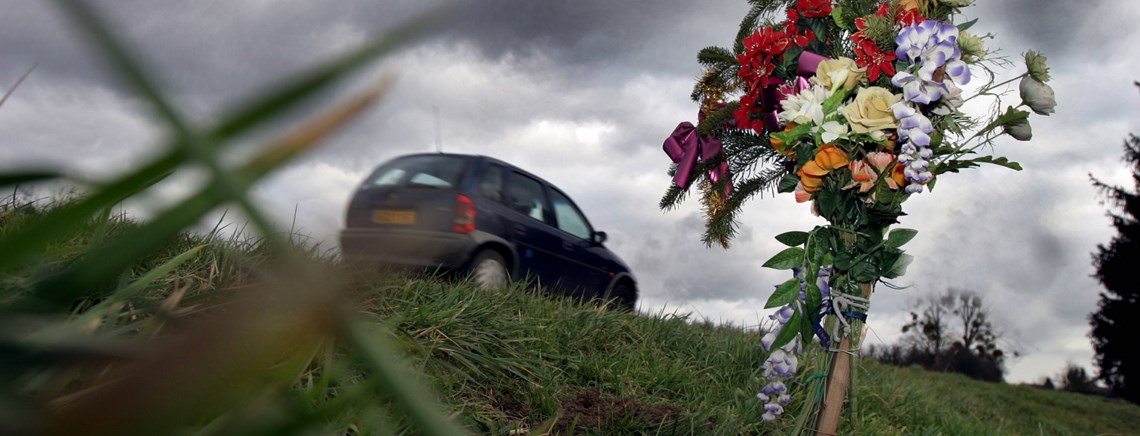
pixel 570 220
pixel 491 183
pixel 524 195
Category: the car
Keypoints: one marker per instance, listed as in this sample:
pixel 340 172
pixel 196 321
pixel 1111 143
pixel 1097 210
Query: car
pixel 483 217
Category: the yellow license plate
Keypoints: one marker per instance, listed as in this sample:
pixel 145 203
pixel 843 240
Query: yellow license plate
pixel 394 217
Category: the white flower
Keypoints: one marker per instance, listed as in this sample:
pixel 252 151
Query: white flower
pixel 1037 95
pixel 833 130
pixel 1020 130
pixel 805 107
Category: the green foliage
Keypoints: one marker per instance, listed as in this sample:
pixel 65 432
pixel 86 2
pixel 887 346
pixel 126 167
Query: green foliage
pixel 786 293
pixel 787 259
pixel 792 238
pixel 902 401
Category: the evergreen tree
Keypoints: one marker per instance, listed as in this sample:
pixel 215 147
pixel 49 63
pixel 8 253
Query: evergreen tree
pixel 1114 324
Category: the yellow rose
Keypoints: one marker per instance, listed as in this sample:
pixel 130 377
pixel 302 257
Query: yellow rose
pixel 833 73
pixel 871 111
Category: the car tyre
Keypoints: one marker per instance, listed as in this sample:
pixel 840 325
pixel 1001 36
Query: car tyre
pixel 489 270
pixel 624 296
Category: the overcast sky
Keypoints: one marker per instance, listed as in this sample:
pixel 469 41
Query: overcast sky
pixel 583 93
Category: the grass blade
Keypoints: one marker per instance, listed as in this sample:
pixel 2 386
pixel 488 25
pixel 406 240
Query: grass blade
pixel 394 380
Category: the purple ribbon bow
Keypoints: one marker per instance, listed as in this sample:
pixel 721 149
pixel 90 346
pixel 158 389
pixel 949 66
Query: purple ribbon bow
pixel 685 147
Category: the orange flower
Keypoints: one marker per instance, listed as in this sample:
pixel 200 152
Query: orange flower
pixel 908 4
pixel 898 176
pixel 881 162
pixel 802 194
pixel 813 169
pixel 830 157
pixel 811 183
pixel 862 175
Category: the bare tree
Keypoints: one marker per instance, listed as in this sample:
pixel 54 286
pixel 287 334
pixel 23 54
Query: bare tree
pixel 953 331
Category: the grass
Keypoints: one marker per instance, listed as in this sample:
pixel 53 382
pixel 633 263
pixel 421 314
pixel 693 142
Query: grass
pixel 509 361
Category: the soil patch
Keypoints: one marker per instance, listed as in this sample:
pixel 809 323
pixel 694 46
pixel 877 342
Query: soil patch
pixel 592 411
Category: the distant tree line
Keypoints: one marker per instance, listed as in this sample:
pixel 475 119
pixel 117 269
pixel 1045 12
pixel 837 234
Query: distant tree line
pixel 950 332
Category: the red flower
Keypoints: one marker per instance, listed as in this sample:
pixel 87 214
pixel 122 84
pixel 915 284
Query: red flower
pixel 905 16
pixel 814 8
pixel 743 114
pixel 761 49
pixel 869 55
pixel 910 17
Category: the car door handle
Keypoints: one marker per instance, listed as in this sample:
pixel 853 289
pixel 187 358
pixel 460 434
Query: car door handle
pixel 520 229
pixel 567 245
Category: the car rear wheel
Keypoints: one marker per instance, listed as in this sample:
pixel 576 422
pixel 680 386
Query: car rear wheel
pixel 624 296
pixel 489 270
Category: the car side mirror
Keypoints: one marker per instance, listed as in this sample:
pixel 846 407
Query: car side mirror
pixel 598 238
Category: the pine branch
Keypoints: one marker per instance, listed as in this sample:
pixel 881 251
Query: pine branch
pixel 721 228
pixel 716 56
pixel 717 120
pixel 674 195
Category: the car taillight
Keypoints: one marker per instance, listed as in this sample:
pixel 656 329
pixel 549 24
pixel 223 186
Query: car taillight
pixel 464 221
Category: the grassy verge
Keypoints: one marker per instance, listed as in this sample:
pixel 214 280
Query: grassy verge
pixel 190 352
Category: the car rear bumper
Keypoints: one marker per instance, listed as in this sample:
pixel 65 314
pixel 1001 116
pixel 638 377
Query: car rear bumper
pixel 407 248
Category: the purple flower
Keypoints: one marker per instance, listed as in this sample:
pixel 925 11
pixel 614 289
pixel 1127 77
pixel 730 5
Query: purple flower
pixel 914 133
pixel 767 340
pixel 928 46
pixel 821 281
pixel 774 408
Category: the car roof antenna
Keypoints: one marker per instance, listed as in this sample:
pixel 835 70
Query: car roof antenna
pixel 438 137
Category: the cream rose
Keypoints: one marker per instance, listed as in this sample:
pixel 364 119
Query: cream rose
pixel 871 111
pixel 833 73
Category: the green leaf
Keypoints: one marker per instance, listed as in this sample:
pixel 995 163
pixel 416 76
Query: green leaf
pixel 788 183
pixel 794 135
pixel 786 293
pixel 832 102
pixel 792 239
pixel 864 272
pixel 788 332
pixel 967 25
pixel 999 160
pixel 899 267
pixel 806 328
pixel 837 16
pixel 787 259
pixel 899 237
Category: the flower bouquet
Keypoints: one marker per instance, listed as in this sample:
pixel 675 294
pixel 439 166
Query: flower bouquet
pixel 853 106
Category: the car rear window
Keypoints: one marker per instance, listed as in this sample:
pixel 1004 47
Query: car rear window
pixel 421 171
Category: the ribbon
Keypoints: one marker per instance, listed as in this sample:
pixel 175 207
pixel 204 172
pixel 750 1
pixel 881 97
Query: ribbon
pixel 808 63
pixel 844 306
pixel 685 147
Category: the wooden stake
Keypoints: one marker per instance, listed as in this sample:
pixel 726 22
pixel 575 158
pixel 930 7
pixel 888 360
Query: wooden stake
pixel 838 380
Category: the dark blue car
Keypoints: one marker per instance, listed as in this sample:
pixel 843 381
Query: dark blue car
pixel 485 217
